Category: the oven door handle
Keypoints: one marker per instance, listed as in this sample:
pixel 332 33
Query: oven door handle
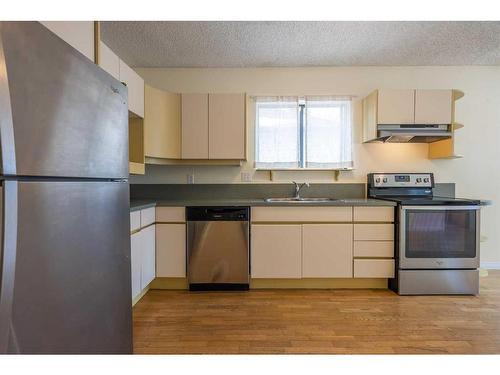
pixel 441 208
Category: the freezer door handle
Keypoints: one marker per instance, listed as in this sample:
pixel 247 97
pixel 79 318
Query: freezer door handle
pixel 8 208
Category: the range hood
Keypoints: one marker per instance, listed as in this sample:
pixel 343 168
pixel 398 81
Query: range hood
pixel 412 133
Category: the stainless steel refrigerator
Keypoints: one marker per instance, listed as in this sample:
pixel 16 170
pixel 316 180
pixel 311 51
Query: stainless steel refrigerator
pixel 65 246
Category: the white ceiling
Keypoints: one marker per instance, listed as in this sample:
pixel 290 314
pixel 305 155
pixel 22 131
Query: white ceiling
pixel 269 44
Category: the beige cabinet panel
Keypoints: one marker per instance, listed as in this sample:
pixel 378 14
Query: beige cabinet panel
pixel 302 214
pixel 396 107
pixel 109 61
pixel 374 214
pixel 78 34
pixel 135 85
pixel 135 220
pixel 226 126
pixel 374 249
pixel 374 268
pixel 276 251
pixel 327 250
pixel 147 216
pixel 373 232
pixel 170 214
pixel 171 250
pixel 135 262
pixel 162 124
pixel 370 117
pixel 148 256
pixel 433 106
pixel 194 128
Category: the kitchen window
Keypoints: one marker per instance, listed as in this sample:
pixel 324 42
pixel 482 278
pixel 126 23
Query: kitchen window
pixel 303 132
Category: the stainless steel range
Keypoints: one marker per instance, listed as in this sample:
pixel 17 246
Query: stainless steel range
pixel 437 238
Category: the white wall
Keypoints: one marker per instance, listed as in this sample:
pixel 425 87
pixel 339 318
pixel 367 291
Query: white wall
pixel 477 174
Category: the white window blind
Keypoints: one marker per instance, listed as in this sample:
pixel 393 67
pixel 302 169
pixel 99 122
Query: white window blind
pixel 311 132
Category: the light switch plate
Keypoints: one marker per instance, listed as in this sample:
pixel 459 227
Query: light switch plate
pixel 246 177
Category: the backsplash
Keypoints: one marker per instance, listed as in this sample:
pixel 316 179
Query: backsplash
pixel 258 191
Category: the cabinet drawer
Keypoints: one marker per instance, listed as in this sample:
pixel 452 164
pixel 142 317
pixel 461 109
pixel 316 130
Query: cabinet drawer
pixel 135 220
pixel 373 232
pixel 375 249
pixel 170 214
pixel 302 214
pixel 383 268
pixel 147 216
pixel 374 214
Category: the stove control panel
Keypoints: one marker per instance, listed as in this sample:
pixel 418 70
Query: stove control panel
pixel 381 180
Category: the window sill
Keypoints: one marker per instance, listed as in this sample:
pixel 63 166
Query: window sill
pixel 303 169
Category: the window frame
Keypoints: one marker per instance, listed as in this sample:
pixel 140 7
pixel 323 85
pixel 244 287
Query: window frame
pixel 302 138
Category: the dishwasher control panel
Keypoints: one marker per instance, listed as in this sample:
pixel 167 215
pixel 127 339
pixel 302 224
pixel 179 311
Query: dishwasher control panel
pixel 217 213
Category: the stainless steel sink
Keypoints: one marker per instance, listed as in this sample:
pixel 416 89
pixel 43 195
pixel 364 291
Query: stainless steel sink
pixel 299 200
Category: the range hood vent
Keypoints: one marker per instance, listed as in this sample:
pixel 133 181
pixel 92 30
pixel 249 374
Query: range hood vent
pixel 412 133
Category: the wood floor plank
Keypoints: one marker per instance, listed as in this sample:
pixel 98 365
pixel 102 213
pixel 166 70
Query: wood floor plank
pixel 318 321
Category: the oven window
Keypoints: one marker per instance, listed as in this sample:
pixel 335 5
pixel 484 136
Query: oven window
pixel 440 234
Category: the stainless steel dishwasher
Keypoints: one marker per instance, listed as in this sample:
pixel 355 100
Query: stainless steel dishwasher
pixel 218 248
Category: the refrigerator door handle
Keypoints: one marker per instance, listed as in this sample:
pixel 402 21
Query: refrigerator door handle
pixel 8 208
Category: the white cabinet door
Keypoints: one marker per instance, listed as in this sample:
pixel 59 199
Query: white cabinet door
pixel 135 262
pixel 78 34
pixel 171 250
pixel 276 251
pixel 194 126
pixel 135 85
pixel 226 126
pixel 148 255
pixel 109 61
pixel 327 250
pixel 396 107
pixel 433 106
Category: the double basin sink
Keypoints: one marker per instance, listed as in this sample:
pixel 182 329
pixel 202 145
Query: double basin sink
pixel 300 200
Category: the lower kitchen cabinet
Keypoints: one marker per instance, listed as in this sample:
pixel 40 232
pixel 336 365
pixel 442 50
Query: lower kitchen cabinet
pixel 276 251
pixel 171 250
pixel 135 262
pixel 327 250
pixel 148 265
pixel 142 259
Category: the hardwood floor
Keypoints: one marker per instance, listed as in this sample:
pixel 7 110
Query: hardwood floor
pixel 318 321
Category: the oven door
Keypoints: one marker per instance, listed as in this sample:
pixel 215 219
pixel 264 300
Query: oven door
pixel 439 237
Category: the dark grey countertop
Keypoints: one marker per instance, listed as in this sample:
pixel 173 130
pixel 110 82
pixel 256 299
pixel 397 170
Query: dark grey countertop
pixel 141 204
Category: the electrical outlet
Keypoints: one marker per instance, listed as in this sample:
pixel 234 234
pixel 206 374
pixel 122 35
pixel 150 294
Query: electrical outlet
pixel 246 177
pixel 190 178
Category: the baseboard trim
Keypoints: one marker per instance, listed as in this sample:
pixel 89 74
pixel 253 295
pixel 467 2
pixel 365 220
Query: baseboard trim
pixel 490 265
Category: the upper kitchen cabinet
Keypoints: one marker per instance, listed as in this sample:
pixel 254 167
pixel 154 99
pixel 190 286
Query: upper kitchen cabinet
pixel 195 125
pixel 226 132
pixel 135 86
pixel 79 34
pixel 109 61
pixel 162 124
pixel 395 106
pixel 433 106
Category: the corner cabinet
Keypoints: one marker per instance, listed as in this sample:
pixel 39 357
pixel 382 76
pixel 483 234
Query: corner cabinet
pixel 412 106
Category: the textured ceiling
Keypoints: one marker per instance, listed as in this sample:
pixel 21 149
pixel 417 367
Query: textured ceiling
pixel 269 44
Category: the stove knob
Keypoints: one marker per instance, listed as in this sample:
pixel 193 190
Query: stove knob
pixel 419 180
pixel 385 179
pixel 377 180
pixel 426 179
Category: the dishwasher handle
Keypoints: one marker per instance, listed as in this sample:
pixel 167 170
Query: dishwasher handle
pixel 210 213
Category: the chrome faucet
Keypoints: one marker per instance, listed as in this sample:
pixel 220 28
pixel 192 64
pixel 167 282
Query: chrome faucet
pixel 298 188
